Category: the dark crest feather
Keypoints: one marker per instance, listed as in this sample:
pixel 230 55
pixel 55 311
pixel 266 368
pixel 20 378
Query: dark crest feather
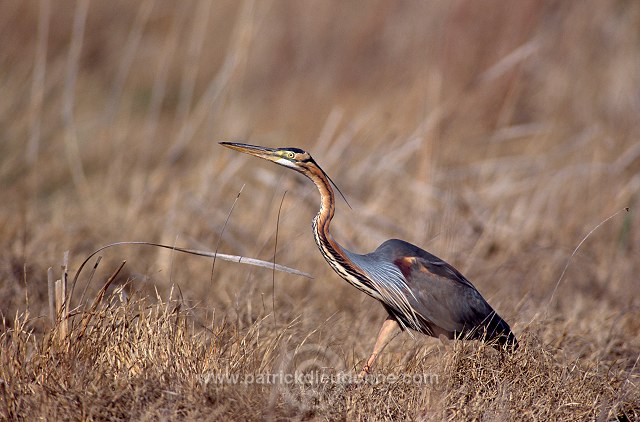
pixel 333 183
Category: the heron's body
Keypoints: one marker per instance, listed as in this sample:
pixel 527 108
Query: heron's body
pixel 419 290
pixel 443 301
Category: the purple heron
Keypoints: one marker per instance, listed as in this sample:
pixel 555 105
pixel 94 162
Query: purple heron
pixel 418 290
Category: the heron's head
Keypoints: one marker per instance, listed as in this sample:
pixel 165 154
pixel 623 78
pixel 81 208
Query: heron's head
pixel 294 158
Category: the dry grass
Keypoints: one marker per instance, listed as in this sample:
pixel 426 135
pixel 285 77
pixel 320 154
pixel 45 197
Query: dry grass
pixel 495 136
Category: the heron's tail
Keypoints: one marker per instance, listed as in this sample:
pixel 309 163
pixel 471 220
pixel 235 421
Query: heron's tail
pixel 507 342
pixel 499 333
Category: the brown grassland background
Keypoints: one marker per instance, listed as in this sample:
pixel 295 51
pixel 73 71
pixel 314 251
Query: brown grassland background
pixel 494 134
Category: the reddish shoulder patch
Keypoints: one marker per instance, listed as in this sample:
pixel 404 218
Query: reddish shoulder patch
pixel 405 264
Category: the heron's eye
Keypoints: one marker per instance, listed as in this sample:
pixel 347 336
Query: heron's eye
pixel 291 155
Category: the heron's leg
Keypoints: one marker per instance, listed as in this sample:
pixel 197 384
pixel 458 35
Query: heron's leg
pixel 390 329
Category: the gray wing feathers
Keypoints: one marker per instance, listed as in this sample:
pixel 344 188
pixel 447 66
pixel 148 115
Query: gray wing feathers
pixel 391 285
pixel 449 304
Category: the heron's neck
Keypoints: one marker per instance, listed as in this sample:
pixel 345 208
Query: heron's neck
pixel 327 208
pixel 340 259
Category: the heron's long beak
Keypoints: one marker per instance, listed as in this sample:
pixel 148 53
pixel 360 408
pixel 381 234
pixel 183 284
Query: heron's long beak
pixel 258 151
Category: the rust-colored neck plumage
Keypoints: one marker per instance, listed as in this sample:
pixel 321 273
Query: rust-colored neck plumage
pixel 327 201
pixel 338 258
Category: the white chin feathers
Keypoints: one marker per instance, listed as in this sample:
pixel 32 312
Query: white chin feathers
pixel 285 162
